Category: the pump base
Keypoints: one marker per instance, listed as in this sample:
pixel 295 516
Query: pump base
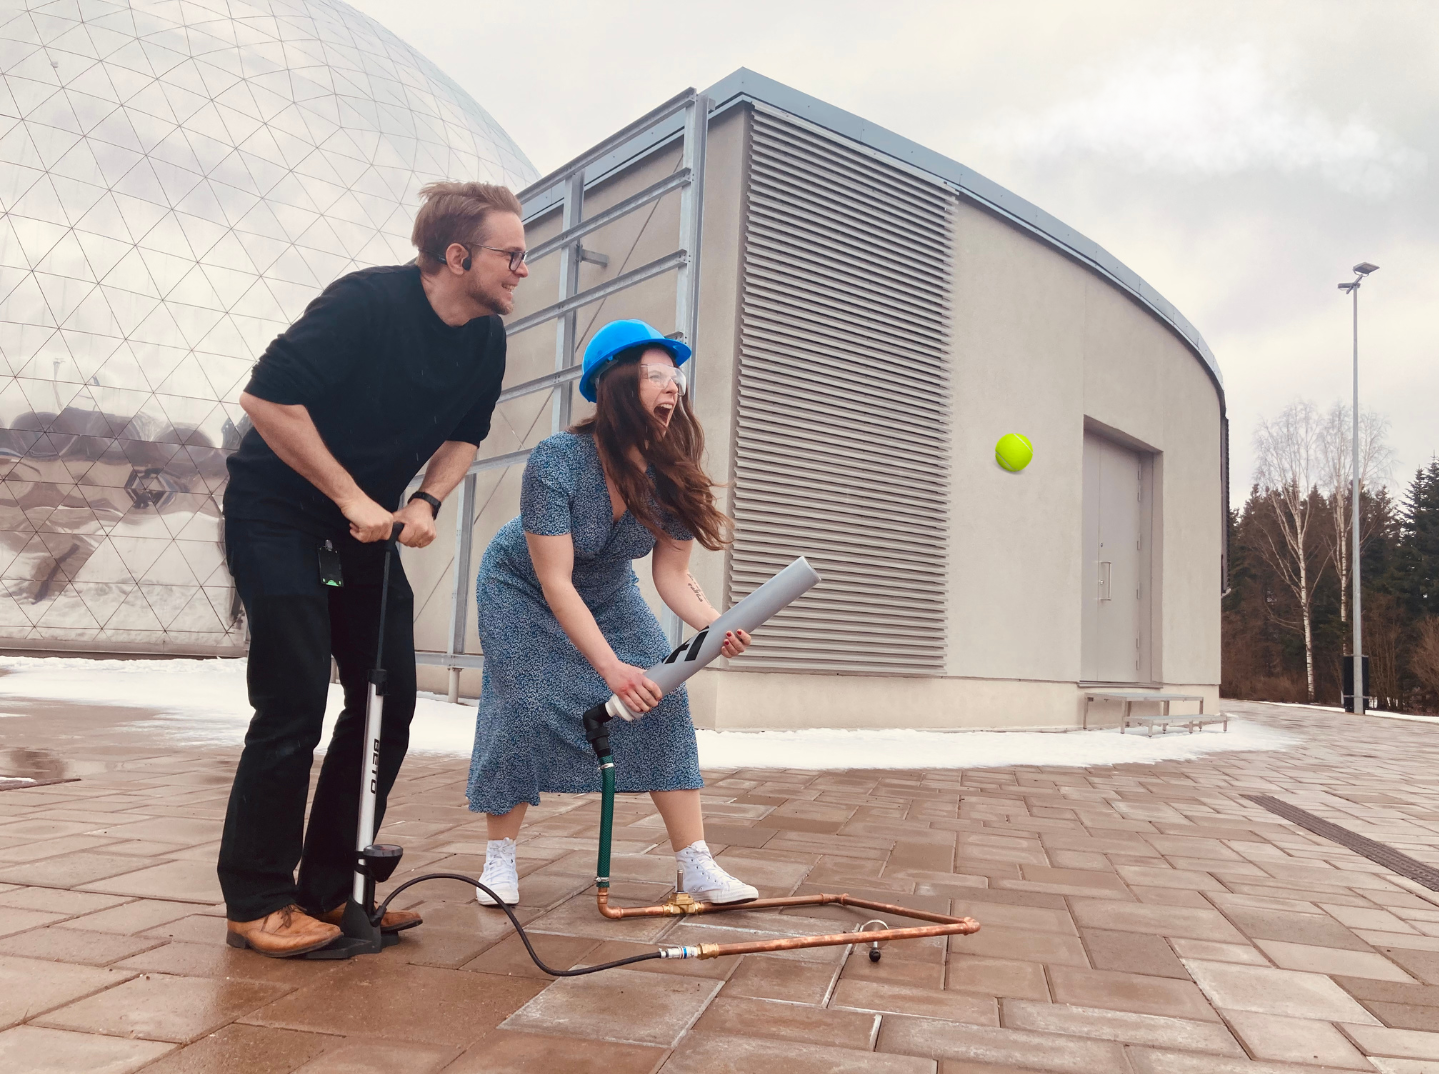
pixel 341 947
pixel 357 937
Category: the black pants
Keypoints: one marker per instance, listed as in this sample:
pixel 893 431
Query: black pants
pixel 296 623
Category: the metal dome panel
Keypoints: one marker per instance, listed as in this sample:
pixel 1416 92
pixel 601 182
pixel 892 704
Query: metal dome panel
pixel 178 178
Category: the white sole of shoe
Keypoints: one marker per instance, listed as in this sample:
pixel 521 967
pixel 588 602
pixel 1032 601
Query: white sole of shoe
pixel 485 900
pixel 713 900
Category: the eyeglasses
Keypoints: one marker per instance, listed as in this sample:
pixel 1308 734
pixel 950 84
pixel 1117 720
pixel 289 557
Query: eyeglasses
pixel 517 257
pixel 662 375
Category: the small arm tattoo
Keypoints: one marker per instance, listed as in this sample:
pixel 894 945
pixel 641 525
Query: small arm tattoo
pixel 695 588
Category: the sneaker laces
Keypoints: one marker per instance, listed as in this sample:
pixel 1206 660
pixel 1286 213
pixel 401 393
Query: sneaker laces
pixel 499 853
pixel 703 867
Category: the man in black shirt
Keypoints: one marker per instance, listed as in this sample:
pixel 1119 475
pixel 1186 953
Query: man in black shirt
pixel 387 368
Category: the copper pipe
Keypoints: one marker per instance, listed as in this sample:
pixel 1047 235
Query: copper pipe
pixel 602 898
pixel 680 905
pixel 962 926
pixel 904 911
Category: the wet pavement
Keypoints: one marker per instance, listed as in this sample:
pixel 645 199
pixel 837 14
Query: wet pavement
pixel 1138 919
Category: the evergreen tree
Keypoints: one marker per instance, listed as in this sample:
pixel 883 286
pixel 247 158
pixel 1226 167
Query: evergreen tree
pixel 1416 568
pixel 1414 580
pixel 1386 627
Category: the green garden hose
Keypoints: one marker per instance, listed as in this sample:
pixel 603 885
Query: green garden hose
pixel 607 820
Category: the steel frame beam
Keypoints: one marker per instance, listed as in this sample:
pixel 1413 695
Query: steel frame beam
pixel 610 215
pixel 678 103
pixel 603 290
pixel 570 177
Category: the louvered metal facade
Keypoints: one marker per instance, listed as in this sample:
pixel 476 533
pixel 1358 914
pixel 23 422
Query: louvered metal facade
pixel 842 419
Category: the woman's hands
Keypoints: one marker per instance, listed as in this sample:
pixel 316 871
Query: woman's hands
pixel 553 558
pixel 735 642
pixel 639 694
pixel 632 687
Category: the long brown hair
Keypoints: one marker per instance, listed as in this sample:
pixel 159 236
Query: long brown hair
pixel 621 422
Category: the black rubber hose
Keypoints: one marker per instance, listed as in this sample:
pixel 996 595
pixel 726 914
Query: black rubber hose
pixel 380 913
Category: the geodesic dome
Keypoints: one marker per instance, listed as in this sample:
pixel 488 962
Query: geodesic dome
pixel 178 178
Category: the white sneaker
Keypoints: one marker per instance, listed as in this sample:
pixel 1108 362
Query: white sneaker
pixel 499 875
pixel 700 877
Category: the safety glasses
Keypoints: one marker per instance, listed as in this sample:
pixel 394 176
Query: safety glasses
pixel 662 375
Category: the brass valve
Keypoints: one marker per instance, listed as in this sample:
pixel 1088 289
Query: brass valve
pixel 681 902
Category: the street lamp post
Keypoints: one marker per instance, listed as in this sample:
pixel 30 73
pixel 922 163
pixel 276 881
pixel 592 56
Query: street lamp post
pixel 1361 270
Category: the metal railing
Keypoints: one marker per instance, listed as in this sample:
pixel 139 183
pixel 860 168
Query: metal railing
pixel 563 190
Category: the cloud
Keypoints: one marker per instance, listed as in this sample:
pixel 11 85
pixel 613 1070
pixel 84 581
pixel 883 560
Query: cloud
pixel 1198 113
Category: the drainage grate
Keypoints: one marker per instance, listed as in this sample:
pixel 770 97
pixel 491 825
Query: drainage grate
pixel 1379 853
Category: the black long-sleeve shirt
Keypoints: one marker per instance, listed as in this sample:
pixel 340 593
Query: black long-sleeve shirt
pixel 385 381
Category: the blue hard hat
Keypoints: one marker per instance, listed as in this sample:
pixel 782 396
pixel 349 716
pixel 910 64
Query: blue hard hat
pixel 614 339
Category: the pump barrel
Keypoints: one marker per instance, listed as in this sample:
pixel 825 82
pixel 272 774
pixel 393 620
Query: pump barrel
pixel 748 615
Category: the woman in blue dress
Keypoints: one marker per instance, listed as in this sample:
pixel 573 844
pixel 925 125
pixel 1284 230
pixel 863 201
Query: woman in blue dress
pixel 562 622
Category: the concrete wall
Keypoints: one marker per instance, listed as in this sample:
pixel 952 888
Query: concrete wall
pixel 1042 346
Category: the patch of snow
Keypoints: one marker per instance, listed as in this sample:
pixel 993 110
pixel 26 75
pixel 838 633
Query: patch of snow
pixel 204 703
pixel 1336 708
pixel 832 749
pixel 1404 716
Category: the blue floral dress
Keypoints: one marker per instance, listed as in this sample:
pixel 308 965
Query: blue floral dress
pixel 528 737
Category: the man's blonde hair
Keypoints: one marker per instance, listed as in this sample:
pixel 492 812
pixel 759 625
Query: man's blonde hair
pixel 456 212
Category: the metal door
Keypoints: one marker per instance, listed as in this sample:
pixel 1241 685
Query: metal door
pixel 1112 586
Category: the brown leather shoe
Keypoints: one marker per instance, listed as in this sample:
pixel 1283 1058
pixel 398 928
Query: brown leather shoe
pixel 393 921
pixel 283 934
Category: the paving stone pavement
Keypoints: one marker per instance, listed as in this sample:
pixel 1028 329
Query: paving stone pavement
pixel 1137 919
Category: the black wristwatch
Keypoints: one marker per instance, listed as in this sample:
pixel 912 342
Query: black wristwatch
pixel 434 503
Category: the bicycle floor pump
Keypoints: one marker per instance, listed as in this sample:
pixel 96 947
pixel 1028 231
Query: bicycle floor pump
pixel 374 862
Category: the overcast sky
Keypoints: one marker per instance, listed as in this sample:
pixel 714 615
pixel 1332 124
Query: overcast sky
pixel 1239 156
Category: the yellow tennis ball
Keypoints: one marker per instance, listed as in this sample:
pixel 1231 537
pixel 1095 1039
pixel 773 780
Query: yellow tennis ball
pixel 1013 452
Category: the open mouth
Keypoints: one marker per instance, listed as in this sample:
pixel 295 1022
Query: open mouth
pixel 663 411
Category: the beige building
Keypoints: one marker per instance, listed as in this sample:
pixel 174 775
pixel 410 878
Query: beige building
pixel 871 318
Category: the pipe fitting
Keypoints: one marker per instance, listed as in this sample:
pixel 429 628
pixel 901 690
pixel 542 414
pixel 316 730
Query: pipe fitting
pixel 679 952
pixel 681 902
pixel 602 901
pixel 874 944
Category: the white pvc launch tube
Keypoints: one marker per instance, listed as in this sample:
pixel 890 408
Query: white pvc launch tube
pixel 748 615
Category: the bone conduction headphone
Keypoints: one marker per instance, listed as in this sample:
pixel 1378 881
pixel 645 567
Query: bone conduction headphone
pixel 466 264
pixel 517 257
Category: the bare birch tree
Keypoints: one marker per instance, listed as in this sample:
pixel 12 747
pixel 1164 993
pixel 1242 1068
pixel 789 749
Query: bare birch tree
pixel 1375 459
pixel 1289 462
pixel 1424 661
